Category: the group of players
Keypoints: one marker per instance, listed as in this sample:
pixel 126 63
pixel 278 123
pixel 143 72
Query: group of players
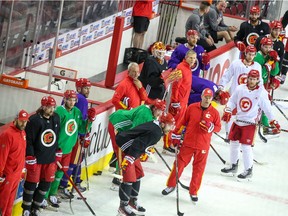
pixel 57 136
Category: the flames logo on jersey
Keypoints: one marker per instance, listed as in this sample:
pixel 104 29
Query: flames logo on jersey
pixel 208 115
pixel 71 127
pixel 195 66
pixel 245 104
pixel 251 38
pixel 48 138
pixel 242 79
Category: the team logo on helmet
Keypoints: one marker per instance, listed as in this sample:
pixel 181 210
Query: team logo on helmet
pixel 195 65
pixel 70 127
pixel 251 38
pixel 245 104
pixel 242 79
pixel 48 138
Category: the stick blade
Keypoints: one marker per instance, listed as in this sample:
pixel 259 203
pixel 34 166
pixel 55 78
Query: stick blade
pixel 180 213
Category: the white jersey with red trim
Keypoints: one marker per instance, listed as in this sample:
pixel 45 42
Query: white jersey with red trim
pixel 249 104
pixel 237 74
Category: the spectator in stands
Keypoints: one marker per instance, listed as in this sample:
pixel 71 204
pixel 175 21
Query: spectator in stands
pixel 196 22
pixel 284 68
pixel 253 28
pixel 142 13
pixel 214 23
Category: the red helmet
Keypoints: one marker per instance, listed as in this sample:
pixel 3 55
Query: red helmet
pixel 48 101
pixel 70 94
pixel 82 82
pixel 266 41
pixel 192 32
pixel 160 104
pixel 250 48
pixel 275 24
pixel 255 9
pixel 254 74
pixel 167 118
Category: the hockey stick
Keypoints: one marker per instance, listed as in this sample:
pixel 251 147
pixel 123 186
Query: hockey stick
pixel 283 100
pixel 223 161
pixel 225 140
pixel 86 169
pixel 177 181
pixel 182 185
pixel 280 110
pixel 74 186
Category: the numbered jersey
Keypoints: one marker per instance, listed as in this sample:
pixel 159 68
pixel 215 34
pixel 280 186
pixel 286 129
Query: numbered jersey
pixel 237 74
pixel 250 103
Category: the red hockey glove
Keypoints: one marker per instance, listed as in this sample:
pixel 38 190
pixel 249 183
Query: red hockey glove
pixel 31 163
pixel 241 46
pixel 174 108
pixel 91 114
pixel 275 83
pixel 58 155
pixel 227 114
pixel 170 76
pixel 275 124
pixel 176 139
pixel 274 55
pixel 223 97
pixel 86 140
pixel 205 58
pixel 206 126
pixel 127 162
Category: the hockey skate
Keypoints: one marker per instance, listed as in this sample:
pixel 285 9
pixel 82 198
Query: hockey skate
pixel 35 212
pixel 44 204
pixel 245 176
pixel 283 77
pixel 115 184
pixel 230 171
pixel 26 213
pixel 194 199
pixel 168 151
pixel 64 193
pixel 125 210
pixel 168 190
pixel 136 208
pixel 53 203
pixel 80 188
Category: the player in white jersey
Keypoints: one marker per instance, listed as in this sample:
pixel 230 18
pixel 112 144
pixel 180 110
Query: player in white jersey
pixel 249 101
pixel 237 72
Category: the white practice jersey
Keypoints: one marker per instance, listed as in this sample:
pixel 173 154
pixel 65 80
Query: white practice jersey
pixel 250 104
pixel 237 74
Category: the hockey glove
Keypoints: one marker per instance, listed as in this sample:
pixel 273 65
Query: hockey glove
pixel 91 114
pixel 241 46
pixel 31 163
pixel 176 139
pixel 86 140
pixel 206 126
pixel 223 97
pixel 274 56
pixel 269 65
pixel 174 108
pixel 275 124
pixel 127 162
pixel 275 83
pixel 227 114
pixel 58 155
pixel 205 58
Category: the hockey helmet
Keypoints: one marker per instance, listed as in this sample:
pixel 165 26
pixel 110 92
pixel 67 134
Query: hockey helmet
pixel 82 82
pixel 167 118
pixel 70 94
pixel 48 101
pixel 254 9
pixel 192 32
pixel 266 41
pixel 160 104
pixel 275 24
pixel 159 50
pixel 250 48
pixel 254 74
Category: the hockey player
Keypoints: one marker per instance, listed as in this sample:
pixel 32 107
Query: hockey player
pixel 12 160
pixel 247 99
pixel 42 147
pixel 133 143
pixel 268 59
pixel 130 92
pixel 201 120
pixel 202 63
pixel 151 72
pixel 71 123
pixel 250 30
pixel 83 86
pixel 180 93
pixel 122 120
